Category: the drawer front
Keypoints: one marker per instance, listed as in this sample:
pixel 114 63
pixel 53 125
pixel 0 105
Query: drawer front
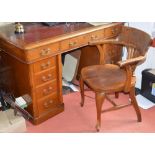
pixel 48 103
pixel 96 35
pixel 45 76
pixel 73 43
pixel 46 90
pixel 42 52
pixel 44 64
pixel 112 31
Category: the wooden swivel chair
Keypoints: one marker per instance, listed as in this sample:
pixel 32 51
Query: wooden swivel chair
pixel 105 79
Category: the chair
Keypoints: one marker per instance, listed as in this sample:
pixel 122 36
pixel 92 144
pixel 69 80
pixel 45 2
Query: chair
pixel 105 79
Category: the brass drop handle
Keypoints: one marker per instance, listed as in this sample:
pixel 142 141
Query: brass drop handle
pixel 45 65
pixel 47 104
pixel 93 37
pixel 47 91
pixel 72 44
pixel 45 52
pixel 44 78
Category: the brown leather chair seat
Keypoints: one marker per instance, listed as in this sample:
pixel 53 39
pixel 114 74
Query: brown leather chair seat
pixel 97 77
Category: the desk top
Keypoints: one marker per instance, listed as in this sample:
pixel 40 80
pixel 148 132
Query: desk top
pixel 37 34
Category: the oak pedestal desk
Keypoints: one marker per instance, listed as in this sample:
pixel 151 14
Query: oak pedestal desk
pixel 35 60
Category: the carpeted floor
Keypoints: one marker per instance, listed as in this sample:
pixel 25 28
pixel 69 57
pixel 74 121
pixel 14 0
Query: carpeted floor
pixel 82 120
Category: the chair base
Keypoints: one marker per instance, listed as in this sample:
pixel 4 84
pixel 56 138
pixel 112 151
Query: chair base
pixel 101 96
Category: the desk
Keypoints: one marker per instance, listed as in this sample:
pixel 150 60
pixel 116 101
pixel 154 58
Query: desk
pixel 35 59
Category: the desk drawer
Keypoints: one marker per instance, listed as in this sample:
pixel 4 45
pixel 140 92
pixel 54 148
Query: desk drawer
pixel 73 43
pixel 46 90
pixel 44 64
pixel 96 35
pixel 45 76
pixel 47 104
pixel 112 31
pixel 42 52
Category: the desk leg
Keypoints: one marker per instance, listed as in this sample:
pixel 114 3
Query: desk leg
pixel 60 77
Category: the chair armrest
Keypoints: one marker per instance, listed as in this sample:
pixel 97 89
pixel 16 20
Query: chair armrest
pixel 111 41
pixel 131 61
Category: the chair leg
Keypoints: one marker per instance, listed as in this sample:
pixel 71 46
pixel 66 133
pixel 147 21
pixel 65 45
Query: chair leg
pixel 116 95
pixel 82 91
pixel 99 101
pixel 134 103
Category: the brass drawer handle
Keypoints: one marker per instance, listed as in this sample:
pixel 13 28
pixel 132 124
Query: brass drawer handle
pixel 45 65
pixel 44 78
pixel 72 44
pixel 45 52
pixel 47 91
pixel 48 103
pixel 93 37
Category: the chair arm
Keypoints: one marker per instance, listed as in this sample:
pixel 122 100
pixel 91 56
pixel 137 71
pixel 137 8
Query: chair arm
pixel 131 61
pixel 111 41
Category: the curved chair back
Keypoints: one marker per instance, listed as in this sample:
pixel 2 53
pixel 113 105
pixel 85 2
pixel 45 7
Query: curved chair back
pixel 140 39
